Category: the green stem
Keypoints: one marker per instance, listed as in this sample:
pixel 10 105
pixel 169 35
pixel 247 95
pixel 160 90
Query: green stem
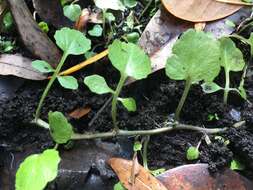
pixel 183 98
pixel 226 89
pixel 145 152
pixel 49 85
pixel 115 99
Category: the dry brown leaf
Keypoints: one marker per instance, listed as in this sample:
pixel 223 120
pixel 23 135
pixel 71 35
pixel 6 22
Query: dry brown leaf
pixel 199 10
pixel 19 66
pixel 134 170
pixel 143 181
pixel 80 112
pixel 36 41
pixel 197 177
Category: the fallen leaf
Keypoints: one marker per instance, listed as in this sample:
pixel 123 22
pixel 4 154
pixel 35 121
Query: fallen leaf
pixel 143 181
pixel 52 13
pixel 197 177
pixel 134 170
pixel 200 11
pixel 80 112
pixel 36 41
pixel 19 66
pixel 164 29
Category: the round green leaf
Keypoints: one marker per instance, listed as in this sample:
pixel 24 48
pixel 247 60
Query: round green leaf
pixel 37 170
pixel 44 27
pixel 97 84
pixel 72 42
pixel 72 11
pixel 137 146
pixel 60 129
pixel 130 3
pixel 129 59
pixel 231 56
pixel 195 56
pixel 128 103
pixel 110 4
pixel 109 17
pixel 192 153
pixel 96 31
pixel 42 66
pixel 68 82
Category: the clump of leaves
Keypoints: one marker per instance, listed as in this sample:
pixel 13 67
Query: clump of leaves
pixel 130 61
pixel 72 42
pixel 231 60
pixel 195 58
pixel 6 46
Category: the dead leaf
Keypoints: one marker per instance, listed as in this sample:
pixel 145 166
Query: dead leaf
pixel 199 10
pixel 143 181
pixel 134 170
pixel 36 41
pixel 80 112
pixel 19 66
pixel 51 12
pixel 164 29
pixel 197 177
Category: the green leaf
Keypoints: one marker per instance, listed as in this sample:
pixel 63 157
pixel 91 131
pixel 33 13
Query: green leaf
pixel 128 103
pixel 37 170
pixel 130 20
pixel 109 17
pixel 89 54
pixel 129 59
pixel 42 66
pixel 236 165
pixel 72 42
pixel 44 27
pixel 68 82
pixel 210 87
pixel 72 11
pixel 96 31
pixel 231 56
pixel 60 129
pixel 130 3
pixel 110 4
pixel 195 57
pixel 7 21
pixel 97 84
pixel 133 37
pixel 250 41
pixel 137 146
pixel 192 153
pixel 230 23
pixel 119 186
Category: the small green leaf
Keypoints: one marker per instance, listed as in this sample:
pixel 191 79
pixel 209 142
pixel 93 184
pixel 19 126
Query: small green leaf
pixel 230 23
pixel 129 59
pixel 72 11
pixel 195 57
pixel 128 103
pixel 192 153
pixel 97 84
pixel 109 17
pixel 68 82
pixel 158 171
pixel 7 21
pixel 210 87
pixel 42 66
pixel 236 165
pixel 130 20
pixel 60 129
pixel 130 3
pixel 137 146
pixel 250 41
pixel 44 27
pixel 110 4
pixel 37 170
pixel 96 31
pixel 133 37
pixel 72 42
pixel 119 186
pixel 231 56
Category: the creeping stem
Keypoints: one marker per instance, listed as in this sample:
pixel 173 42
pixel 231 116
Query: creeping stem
pixel 183 98
pixel 226 89
pixel 49 85
pixel 115 99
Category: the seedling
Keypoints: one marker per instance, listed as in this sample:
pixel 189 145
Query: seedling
pixel 231 60
pixel 195 58
pixel 192 153
pixel 130 61
pixel 72 42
